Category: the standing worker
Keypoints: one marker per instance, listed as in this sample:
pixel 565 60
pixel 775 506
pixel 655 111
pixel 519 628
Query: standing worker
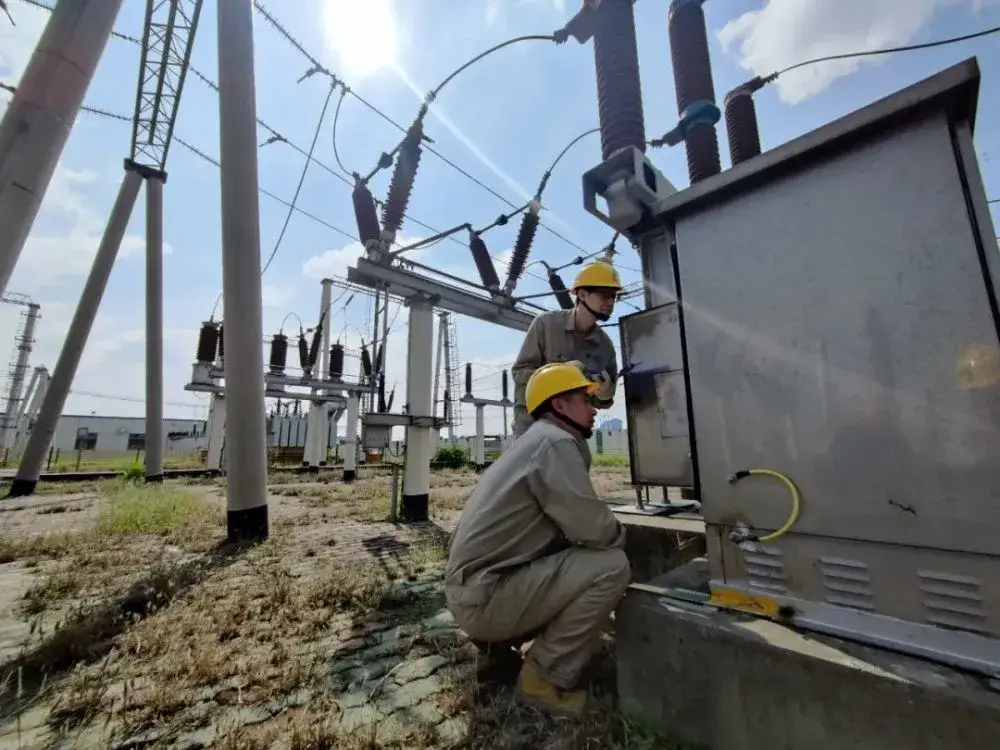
pixel 573 336
pixel 537 555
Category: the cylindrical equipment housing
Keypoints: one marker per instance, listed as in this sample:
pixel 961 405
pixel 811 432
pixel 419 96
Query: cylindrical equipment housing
pixel 468 379
pixel 208 342
pixel 693 85
pixel 619 93
pixel 741 125
pixel 303 352
pixel 562 293
pixel 484 263
pixel 279 353
pixel 336 370
pixel 366 361
pixel 504 387
pixel 365 214
pixel 222 341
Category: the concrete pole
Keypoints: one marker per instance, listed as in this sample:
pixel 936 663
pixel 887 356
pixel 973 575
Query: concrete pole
pixel 351 438
pixel 38 120
pixel 27 416
pixel 417 471
pixel 154 328
pixel 216 432
pixel 318 426
pixel 448 370
pixel 246 490
pixel 14 403
pixel 480 452
pixel 437 362
pixel 76 337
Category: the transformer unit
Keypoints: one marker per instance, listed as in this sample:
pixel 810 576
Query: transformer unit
pixel 827 311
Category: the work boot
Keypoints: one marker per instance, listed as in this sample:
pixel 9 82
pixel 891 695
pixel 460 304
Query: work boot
pixel 539 692
pixel 498 662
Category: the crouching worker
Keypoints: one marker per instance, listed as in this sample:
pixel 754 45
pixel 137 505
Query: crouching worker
pixel 537 555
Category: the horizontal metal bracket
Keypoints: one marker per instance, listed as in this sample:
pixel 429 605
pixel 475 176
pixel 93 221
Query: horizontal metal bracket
pixel 386 419
pixel 409 285
pixel 486 401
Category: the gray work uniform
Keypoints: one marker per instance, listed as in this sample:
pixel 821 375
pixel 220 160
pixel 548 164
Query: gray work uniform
pixel 552 337
pixel 537 550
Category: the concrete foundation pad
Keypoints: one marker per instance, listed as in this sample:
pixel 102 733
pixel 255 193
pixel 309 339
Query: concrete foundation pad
pixel 658 544
pixel 722 680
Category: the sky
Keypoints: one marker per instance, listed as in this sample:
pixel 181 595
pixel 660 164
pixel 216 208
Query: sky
pixel 503 121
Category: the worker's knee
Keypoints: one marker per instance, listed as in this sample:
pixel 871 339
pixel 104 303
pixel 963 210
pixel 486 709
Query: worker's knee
pixel 613 571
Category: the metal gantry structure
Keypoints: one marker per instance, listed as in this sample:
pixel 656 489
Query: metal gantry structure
pixel 168 37
pixel 16 396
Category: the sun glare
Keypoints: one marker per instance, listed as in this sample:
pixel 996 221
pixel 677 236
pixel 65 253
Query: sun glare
pixel 362 33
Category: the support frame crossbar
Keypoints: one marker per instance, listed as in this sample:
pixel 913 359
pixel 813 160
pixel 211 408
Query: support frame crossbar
pixel 409 286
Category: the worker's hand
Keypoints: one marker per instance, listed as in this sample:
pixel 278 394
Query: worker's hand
pixel 606 386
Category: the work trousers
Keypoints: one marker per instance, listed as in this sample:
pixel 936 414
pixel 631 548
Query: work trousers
pixel 565 597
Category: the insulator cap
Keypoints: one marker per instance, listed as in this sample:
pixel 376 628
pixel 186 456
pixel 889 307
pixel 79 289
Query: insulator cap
pixel 208 342
pixel 303 352
pixel 468 379
pixel 365 214
pixel 484 263
pixel 619 94
pixel 366 361
pixel 336 364
pixel 562 293
pixel 522 247
pixel 279 353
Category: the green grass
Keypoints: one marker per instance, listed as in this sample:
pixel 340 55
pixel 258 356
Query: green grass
pixel 610 460
pixel 138 509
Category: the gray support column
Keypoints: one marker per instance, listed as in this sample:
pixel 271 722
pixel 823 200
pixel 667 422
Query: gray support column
pixel 246 444
pixel 76 337
pixel 38 120
pixel 479 459
pixel 351 438
pixel 442 333
pixel 154 328
pixel 448 369
pixel 323 439
pixel 17 381
pixel 216 432
pixel 417 470
pixel 37 397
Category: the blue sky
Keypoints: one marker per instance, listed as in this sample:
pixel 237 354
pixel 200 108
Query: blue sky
pixel 511 114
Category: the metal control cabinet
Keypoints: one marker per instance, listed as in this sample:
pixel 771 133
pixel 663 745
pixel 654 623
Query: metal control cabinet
pixel 656 398
pixel 840 326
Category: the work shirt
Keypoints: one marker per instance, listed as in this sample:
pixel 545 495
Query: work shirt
pixel 535 500
pixel 552 337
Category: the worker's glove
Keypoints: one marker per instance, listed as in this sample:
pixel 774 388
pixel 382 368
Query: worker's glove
pixel 606 386
pixel 578 365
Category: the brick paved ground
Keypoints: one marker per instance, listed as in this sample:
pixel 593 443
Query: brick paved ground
pixel 334 634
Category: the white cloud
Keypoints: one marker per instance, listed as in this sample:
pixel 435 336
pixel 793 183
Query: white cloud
pixel 785 32
pixel 17 42
pixel 66 234
pixel 333 264
pixel 494 9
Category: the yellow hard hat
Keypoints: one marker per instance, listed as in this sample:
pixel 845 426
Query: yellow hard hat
pixel 598 274
pixel 551 380
pixel 978 367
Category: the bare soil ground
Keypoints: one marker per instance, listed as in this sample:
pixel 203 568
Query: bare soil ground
pixel 127 622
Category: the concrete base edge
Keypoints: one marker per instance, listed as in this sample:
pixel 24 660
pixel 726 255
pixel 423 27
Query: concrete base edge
pixel 415 507
pixel 247 524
